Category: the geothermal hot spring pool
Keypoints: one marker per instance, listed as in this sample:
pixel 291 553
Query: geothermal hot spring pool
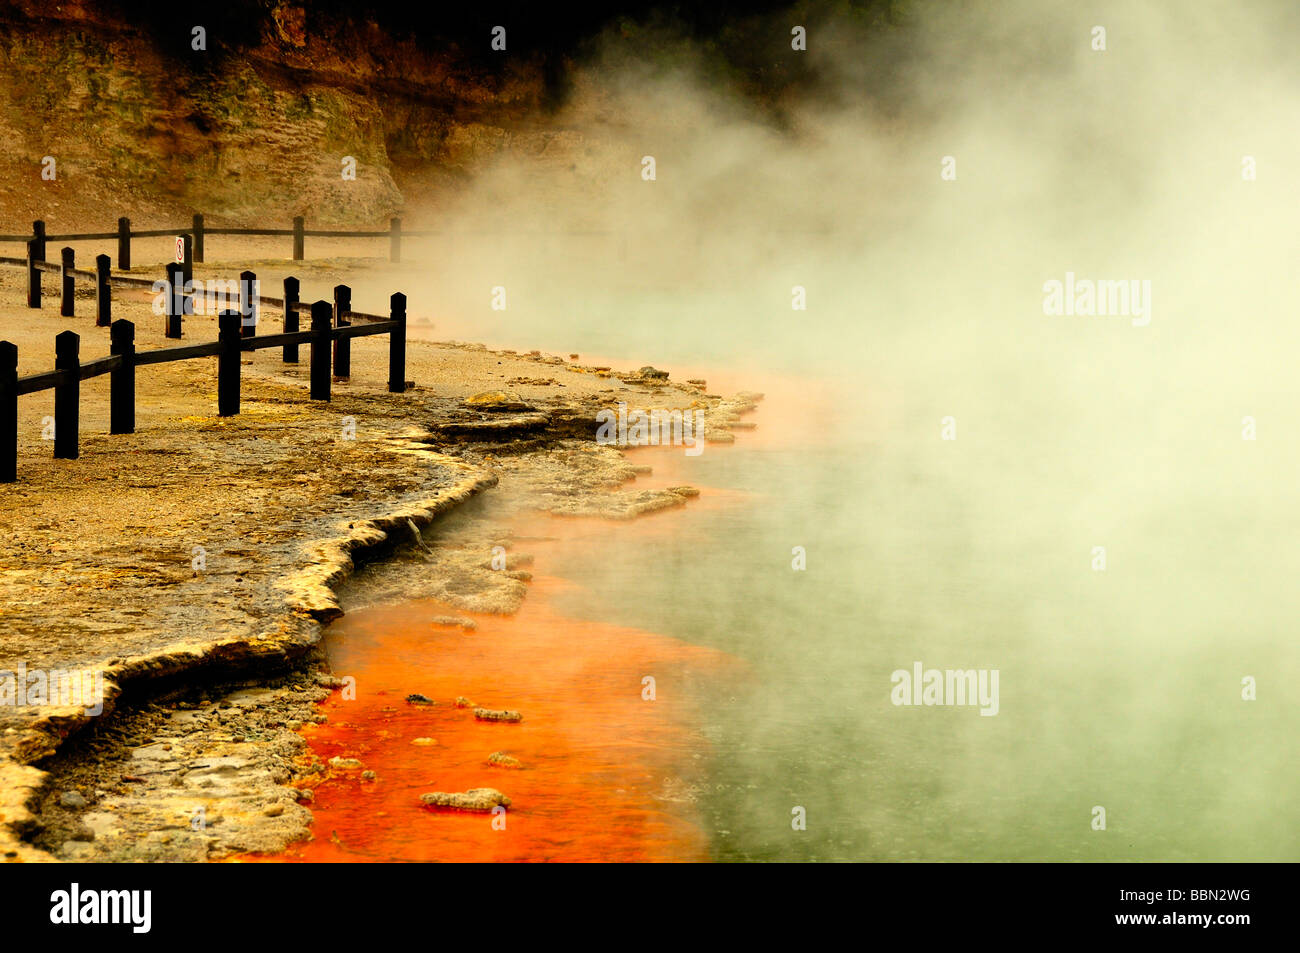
pixel 1117 689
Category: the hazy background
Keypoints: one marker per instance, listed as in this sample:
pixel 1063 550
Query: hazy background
pixel 1118 688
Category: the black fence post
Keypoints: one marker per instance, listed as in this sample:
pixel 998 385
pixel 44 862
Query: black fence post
pixel 248 303
pixel 38 236
pixel 33 274
pixel 103 292
pixel 124 244
pixel 67 306
pixel 67 394
pixel 8 412
pixel 321 318
pixel 228 364
pixel 121 380
pixel 397 345
pixel 298 237
pixel 175 298
pixel 290 318
pixel 395 239
pixel 342 346
pixel 187 258
pixel 198 237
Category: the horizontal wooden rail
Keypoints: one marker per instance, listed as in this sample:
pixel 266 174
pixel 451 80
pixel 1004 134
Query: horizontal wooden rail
pixel 38 382
pixel 166 355
pixel 100 366
pixel 362 330
pixel 325 233
pixel 196 231
pixel 242 231
pixel 277 340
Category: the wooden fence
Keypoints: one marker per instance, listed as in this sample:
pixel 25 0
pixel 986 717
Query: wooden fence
pixel 197 231
pixel 330 325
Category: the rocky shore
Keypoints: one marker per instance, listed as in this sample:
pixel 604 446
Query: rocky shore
pixel 193 564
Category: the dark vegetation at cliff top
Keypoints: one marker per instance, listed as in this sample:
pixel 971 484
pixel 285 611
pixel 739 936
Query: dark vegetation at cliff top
pixel 748 43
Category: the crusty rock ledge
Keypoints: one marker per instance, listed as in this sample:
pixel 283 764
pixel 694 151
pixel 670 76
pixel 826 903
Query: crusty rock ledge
pixel 214 544
pixel 309 600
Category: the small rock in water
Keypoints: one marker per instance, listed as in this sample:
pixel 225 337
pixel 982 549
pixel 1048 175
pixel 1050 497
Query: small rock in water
pixel 73 799
pixel 368 775
pixel 424 741
pixel 453 620
pixel 490 714
pixel 475 799
pixel 654 372
pixel 415 698
pixel 344 763
pixel 502 760
pixel 463 702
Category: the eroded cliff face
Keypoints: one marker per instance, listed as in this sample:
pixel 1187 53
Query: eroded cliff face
pixel 255 127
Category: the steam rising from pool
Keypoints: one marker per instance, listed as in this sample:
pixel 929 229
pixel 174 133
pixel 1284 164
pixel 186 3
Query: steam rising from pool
pixel 1100 508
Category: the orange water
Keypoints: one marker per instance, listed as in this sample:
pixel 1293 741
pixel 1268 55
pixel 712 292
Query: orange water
pixel 607 774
